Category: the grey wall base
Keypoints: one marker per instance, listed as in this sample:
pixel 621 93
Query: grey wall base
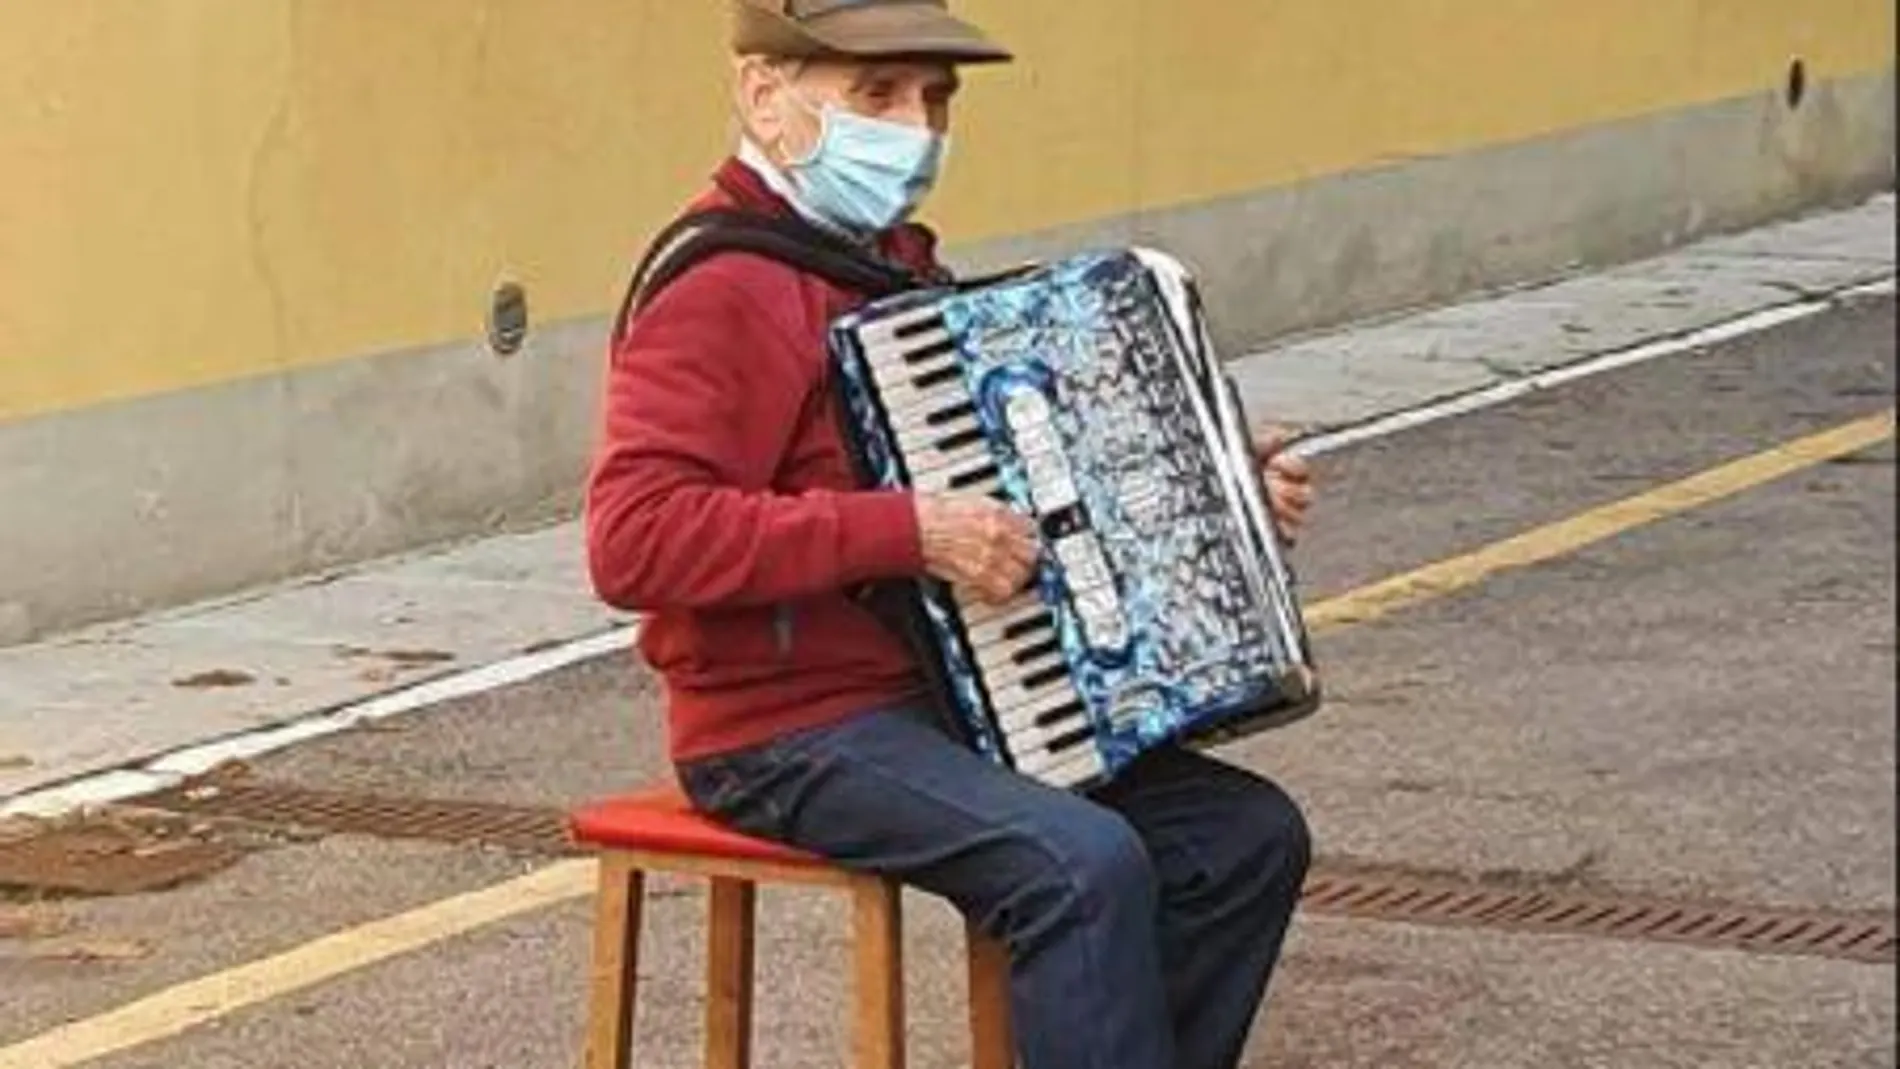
pixel 123 508
pixel 1424 230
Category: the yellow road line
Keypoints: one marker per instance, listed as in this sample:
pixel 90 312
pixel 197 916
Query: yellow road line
pixel 1576 532
pixel 176 1009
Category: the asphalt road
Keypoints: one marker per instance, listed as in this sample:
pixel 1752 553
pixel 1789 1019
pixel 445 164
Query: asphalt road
pixel 1701 707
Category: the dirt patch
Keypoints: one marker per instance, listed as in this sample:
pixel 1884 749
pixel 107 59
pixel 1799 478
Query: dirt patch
pixel 110 854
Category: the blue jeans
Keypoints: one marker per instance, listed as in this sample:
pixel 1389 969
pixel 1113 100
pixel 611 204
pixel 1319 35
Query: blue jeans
pixel 1143 921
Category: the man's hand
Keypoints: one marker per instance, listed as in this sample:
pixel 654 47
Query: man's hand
pixel 975 543
pixel 1288 481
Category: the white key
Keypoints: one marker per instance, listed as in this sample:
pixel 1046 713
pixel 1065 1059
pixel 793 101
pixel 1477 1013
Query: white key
pixel 1043 736
pixel 998 660
pixel 977 615
pixel 900 396
pixel 1070 779
pixel 1016 706
pixel 1000 673
pixel 883 333
pixel 993 631
pixel 911 325
pixel 990 487
pixel 1027 714
pixel 892 381
pixel 924 425
pixel 943 398
pixel 1044 743
pixel 1068 769
pixel 1007 698
pixel 926 460
pixel 913 360
pixel 937 478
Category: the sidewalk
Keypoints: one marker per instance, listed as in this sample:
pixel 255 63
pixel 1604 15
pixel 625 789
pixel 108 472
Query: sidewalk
pixel 121 709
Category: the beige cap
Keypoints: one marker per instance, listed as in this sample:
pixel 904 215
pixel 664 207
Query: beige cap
pixel 799 29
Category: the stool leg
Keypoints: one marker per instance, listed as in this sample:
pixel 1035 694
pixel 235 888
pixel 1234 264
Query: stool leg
pixel 616 964
pixel 729 975
pixel 992 1046
pixel 878 915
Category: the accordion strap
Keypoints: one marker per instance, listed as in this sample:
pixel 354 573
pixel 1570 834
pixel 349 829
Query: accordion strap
pixel 702 235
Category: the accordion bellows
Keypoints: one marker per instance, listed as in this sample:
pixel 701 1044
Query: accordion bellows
pixel 1085 395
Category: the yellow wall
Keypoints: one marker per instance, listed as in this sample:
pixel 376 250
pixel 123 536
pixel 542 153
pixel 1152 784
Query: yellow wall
pixel 197 190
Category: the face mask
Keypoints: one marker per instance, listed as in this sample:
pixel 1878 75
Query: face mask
pixel 866 175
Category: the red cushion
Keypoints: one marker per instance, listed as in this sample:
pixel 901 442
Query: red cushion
pixel 662 821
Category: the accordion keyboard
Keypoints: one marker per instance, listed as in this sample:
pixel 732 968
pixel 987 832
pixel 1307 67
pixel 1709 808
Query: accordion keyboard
pixel 1083 396
pixel 1015 647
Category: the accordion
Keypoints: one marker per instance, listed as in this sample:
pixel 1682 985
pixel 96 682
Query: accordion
pixel 1084 394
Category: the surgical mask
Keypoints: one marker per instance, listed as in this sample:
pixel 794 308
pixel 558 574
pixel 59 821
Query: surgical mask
pixel 865 175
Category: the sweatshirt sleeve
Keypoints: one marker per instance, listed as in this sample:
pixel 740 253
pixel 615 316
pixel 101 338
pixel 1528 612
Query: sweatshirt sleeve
pixel 703 398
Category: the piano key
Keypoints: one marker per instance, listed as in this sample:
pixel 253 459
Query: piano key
pixel 1035 625
pixel 944 479
pixel 932 426
pixel 1001 673
pixel 910 361
pixel 1010 697
pixel 895 329
pixel 944 375
pixel 1054 739
pixel 937 423
pixel 928 346
pixel 960 415
pixel 1082 767
pixel 923 445
pixel 925 406
pixel 904 396
pixel 930 462
pixel 923 378
pixel 990 621
pixel 954 441
pixel 902 335
pixel 1078 748
pixel 991 487
pixel 939 469
pixel 1001 663
pixel 1000 635
pixel 1034 742
pixel 1024 606
pixel 1044 713
pixel 1008 706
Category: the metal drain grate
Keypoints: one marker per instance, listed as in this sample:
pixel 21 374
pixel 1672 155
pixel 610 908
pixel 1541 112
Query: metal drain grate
pixel 1364 892
pixel 1854 937
pixel 531 828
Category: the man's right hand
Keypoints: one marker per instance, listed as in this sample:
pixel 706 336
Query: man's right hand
pixel 977 544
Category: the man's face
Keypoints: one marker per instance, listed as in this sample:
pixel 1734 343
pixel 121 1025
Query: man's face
pixel 781 101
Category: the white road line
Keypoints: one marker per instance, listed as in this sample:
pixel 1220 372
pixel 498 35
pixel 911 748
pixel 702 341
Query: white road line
pixel 1463 404
pixel 171 768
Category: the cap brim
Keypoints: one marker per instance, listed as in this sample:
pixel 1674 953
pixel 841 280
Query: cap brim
pixel 869 31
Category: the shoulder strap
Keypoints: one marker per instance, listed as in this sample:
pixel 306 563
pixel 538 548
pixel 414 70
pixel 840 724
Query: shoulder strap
pixel 701 235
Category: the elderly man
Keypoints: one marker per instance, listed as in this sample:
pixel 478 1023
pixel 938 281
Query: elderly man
pixel 1143 920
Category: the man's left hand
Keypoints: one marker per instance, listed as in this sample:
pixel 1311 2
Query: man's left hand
pixel 1288 481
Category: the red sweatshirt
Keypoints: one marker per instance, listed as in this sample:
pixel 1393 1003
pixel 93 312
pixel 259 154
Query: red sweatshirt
pixel 723 505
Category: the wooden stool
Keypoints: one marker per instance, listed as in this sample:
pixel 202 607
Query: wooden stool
pixel 657 831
